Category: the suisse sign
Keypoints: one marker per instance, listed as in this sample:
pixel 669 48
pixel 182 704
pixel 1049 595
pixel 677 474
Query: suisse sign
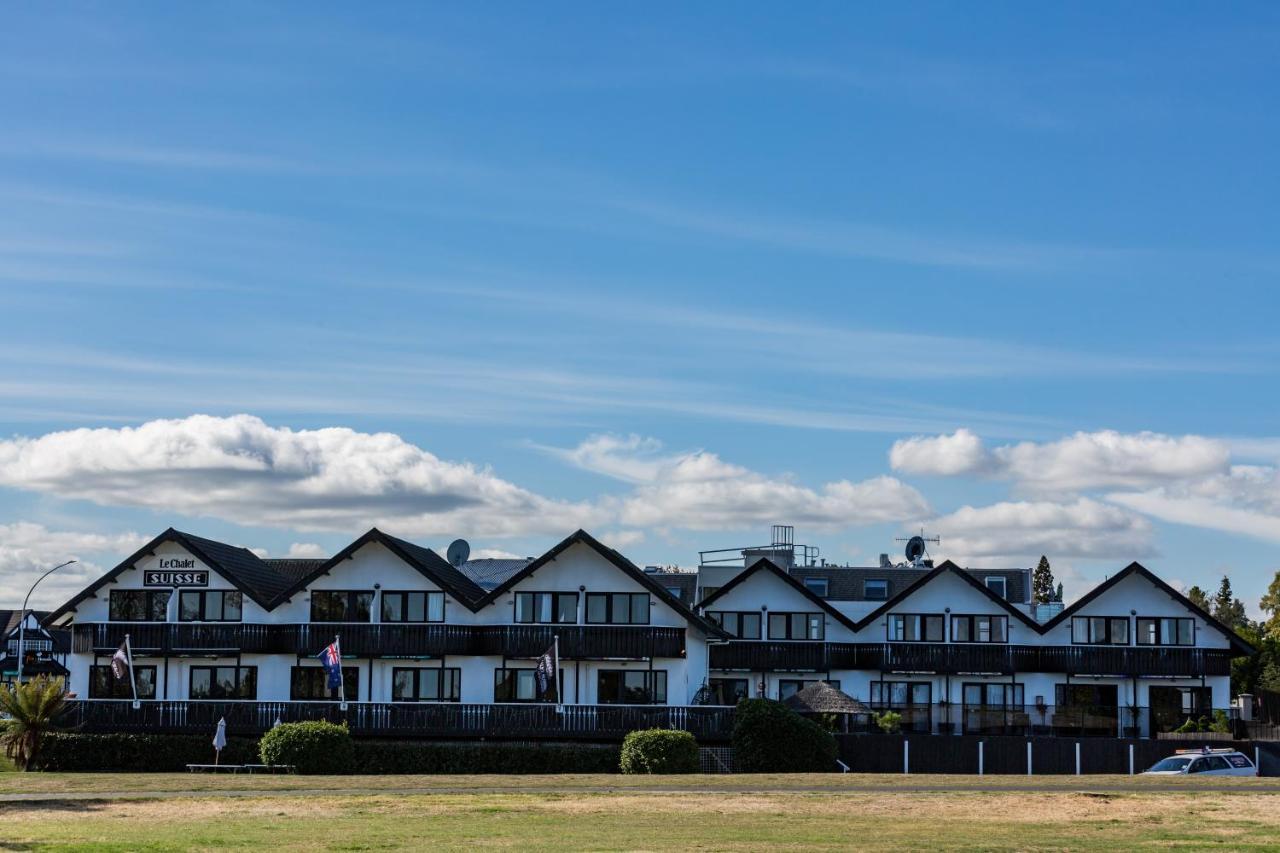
pixel 175 572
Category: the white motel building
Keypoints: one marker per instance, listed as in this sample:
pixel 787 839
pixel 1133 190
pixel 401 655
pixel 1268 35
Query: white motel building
pixel 439 648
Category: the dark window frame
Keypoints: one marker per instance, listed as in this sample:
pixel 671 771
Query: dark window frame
pixel 652 678
pixel 717 686
pixel 444 675
pixel 925 618
pixel 825 582
pixel 609 614
pixel 865 589
pixel 971 619
pixel 790 617
pixel 882 686
pixel 203 595
pixel 350 680
pixel 1138 632
pixel 121 689
pixel 347 607
pixel 151 597
pixel 240 672
pixel 499 670
pixel 427 596
pixel 1110 624
pixel 1004 585
pixel 555 607
pixel 717 616
pixel 1017 701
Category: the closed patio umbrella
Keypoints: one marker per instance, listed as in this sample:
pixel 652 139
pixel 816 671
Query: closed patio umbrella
pixel 219 740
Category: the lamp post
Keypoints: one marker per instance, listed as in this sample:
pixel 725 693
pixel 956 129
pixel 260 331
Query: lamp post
pixel 22 623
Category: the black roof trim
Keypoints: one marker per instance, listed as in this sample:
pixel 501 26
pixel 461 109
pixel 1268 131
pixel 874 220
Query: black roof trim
pixel 622 563
pixel 945 567
pixel 1135 568
pixel 772 567
pixel 428 563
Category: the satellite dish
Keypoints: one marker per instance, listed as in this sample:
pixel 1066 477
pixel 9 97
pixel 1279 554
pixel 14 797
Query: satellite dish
pixel 458 552
pixel 915 548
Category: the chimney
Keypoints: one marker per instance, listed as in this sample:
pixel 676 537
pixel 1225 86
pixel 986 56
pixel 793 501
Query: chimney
pixel 884 562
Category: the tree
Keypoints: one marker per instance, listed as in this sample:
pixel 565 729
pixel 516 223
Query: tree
pixel 1199 598
pixel 1042 582
pixel 1057 595
pixel 1270 604
pixel 1228 609
pixel 33 709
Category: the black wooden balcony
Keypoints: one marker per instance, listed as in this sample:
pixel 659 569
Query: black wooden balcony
pixel 363 640
pixel 387 719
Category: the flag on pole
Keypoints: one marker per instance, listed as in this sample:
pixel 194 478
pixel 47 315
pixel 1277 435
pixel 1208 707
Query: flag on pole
pixel 120 663
pixel 547 674
pixel 331 660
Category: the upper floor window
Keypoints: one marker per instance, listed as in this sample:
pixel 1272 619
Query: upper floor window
pixel 1100 630
pixel 1166 631
pixel 979 629
pixel 817 586
pixel 618 608
pixel 408 607
pixel 875 589
pixel 557 607
pixel 211 605
pixel 796 626
pixel 915 627
pixel 675 592
pixel 328 605
pixel 998 585
pixel 742 625
pixel 138 605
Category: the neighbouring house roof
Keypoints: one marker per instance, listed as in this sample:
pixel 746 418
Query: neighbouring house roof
pixel 846 583
pixel 821 698
pixel 768 566
pixel 949 567
pixel 490 572
pixel 685 582
pixel 36 667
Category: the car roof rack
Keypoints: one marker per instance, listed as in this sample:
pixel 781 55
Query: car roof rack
pixel 1203 750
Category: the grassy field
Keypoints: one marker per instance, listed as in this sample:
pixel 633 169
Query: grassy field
pixel 609 813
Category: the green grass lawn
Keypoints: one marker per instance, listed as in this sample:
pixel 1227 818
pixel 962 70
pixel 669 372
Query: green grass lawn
pixel 607 813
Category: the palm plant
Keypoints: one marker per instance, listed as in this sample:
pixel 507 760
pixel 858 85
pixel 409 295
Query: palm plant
pixel 32 709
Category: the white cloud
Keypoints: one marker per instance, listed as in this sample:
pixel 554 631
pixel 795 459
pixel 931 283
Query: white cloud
pixel 699 490
pixel 241 469
pixel 306 551
pixel 493 554
pixel 1244 500
pixel 1020 531
pixel 620 540
pixel 28 550
pixel 944 455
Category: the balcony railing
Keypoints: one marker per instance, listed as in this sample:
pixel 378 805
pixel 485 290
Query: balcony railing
pixel 960 658
pixel 361 640
pixel 587 722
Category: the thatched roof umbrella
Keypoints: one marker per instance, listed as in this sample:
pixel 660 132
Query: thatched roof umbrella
pixel 822 698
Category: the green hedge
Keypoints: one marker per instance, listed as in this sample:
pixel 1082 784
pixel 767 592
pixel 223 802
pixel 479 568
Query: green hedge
pixel 138 753
pixel 659 751
pixel 312 747
pixel 376 757
pixel 768 737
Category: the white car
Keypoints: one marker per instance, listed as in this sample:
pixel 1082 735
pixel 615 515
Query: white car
pixel 1204 762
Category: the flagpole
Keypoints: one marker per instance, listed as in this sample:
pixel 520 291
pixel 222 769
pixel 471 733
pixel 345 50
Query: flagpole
pixel 556 664
pixel 342 682
pixel 133 685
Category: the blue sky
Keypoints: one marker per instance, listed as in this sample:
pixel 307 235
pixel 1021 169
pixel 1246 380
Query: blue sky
pixel 669 272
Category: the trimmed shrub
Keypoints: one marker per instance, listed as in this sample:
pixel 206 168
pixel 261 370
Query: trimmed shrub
pixel 768 737
pixel 313 746
pixel 378 757
pixel 137 753
pixel 659 751
pixel 890 722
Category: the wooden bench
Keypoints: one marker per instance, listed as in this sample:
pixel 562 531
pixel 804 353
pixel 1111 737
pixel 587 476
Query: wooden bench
pixel 270 768
pixel 213 768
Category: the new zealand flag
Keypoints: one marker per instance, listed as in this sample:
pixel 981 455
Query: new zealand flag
pixel 331 659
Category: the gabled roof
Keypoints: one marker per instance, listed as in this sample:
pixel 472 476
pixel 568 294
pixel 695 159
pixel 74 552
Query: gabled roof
pixel 621 563
pixel 768 565
pixel 1237 642
pixel 240 566
pixel 949 567
pixel 430 564
pixel 488 572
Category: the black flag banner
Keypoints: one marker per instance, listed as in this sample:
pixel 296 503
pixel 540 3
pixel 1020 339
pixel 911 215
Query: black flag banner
pixel 545 674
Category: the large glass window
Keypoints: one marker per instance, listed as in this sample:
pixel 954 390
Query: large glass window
pixel 547 607
pixel 412 606
pixel 796 626
pixel 1166 631
pixel 979 629
pixel 618 608
pixel 312 683
pixel 1100 630
pixel 103 683
pixel 212 605
pixel 329 605
pixel 138 605
pixel 993 695
pixel 915 627
pixel 423 684
pixel 900 694
pixel 875 589
pixel 727 691
pixel 223 682
pixel 521 685
pixel 631 687
pixel 742 625
pixel 998 585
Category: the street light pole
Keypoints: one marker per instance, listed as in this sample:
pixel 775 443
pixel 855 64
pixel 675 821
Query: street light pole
pixel 22 623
